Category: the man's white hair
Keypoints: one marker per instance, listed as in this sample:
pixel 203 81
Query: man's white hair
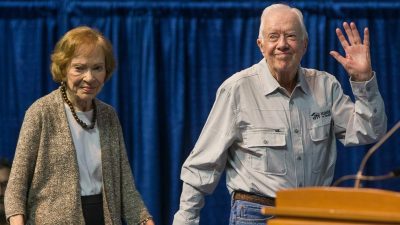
pixel 277 6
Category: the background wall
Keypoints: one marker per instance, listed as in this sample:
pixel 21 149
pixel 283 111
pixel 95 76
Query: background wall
pixel 172 56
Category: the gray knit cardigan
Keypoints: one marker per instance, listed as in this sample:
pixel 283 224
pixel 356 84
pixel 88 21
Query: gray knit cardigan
pixel 44 180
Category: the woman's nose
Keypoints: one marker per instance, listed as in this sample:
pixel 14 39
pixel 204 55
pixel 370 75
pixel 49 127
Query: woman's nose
pixel 89 75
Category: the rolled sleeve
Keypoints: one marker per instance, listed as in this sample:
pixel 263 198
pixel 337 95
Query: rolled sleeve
pixel 191 203
pixel 368 122
pixel 206 163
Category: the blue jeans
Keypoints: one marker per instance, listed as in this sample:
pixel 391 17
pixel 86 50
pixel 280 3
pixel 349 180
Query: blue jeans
pixel 247 213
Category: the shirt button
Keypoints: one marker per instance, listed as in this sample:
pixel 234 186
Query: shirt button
pixel 298 157
pixel 375 110
pixel 265 141
pixel 368 89
pixel 296 131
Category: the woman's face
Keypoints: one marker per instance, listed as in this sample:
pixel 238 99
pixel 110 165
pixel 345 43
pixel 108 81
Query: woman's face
pixel 85 77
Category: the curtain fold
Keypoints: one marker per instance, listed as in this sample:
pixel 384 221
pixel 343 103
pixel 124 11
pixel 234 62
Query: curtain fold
pixel 172 57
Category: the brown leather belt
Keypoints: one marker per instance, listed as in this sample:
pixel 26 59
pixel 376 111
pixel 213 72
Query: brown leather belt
pixel 248 197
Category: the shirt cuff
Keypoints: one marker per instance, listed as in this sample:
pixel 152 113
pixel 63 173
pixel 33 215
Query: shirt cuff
pixel 181 219
pixel 365 88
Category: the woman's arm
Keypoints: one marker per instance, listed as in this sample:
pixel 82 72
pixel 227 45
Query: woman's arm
pixel 134 210
pixel 15 199
pixel 149 222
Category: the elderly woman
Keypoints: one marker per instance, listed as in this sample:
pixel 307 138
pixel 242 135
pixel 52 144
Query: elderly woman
pixel 70 165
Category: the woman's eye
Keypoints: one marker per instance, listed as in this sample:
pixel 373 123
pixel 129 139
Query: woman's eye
pixel 99 68
pixel 79 68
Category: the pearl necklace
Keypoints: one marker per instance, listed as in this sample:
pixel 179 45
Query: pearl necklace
pixel 69 103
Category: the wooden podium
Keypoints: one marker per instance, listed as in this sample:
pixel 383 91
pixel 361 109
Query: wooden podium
pixel 335 206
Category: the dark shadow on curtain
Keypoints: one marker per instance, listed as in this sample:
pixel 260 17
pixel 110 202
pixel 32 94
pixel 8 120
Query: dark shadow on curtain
pixel 171 59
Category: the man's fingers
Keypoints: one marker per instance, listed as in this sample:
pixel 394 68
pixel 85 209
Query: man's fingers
pixel 356 35
pixel 366 36
pixel 338 57
pixel 352 33
pixel 353 36
pixel 349 32
pixel 342 39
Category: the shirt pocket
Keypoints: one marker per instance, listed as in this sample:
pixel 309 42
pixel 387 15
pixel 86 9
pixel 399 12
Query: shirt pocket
pixel 320 134
pixel 268 150
pixel 319 123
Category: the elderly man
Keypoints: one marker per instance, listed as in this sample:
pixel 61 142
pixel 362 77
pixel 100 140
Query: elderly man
pixel 274 125
pixel 5 169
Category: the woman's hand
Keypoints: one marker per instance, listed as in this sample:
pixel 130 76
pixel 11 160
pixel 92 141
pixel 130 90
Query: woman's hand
pixel 17 220
pixel 150 222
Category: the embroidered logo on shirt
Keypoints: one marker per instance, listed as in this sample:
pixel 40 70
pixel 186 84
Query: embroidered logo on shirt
pixel 315 116
pixel 318 115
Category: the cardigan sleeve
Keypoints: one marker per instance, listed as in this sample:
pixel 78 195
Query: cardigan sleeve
pixel 24 163
pixel 134 210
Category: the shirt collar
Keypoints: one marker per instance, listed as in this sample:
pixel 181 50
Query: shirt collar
pixel 270 84
pixel 302 83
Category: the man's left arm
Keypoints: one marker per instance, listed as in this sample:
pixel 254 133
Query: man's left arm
pixel 362 122
pixel 367 120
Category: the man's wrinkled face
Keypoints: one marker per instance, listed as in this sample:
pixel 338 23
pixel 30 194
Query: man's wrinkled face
pixel 282 43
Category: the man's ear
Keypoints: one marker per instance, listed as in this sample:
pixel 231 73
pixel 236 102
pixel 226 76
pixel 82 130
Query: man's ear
pixel 305 44
pixel 260 44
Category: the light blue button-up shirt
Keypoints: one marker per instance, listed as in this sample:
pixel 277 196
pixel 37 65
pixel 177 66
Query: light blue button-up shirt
pixel 268 140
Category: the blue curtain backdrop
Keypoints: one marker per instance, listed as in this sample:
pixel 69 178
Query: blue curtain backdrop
pixel 172 56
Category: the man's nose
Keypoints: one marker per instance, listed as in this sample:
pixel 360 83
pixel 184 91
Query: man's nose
pixel 282 42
